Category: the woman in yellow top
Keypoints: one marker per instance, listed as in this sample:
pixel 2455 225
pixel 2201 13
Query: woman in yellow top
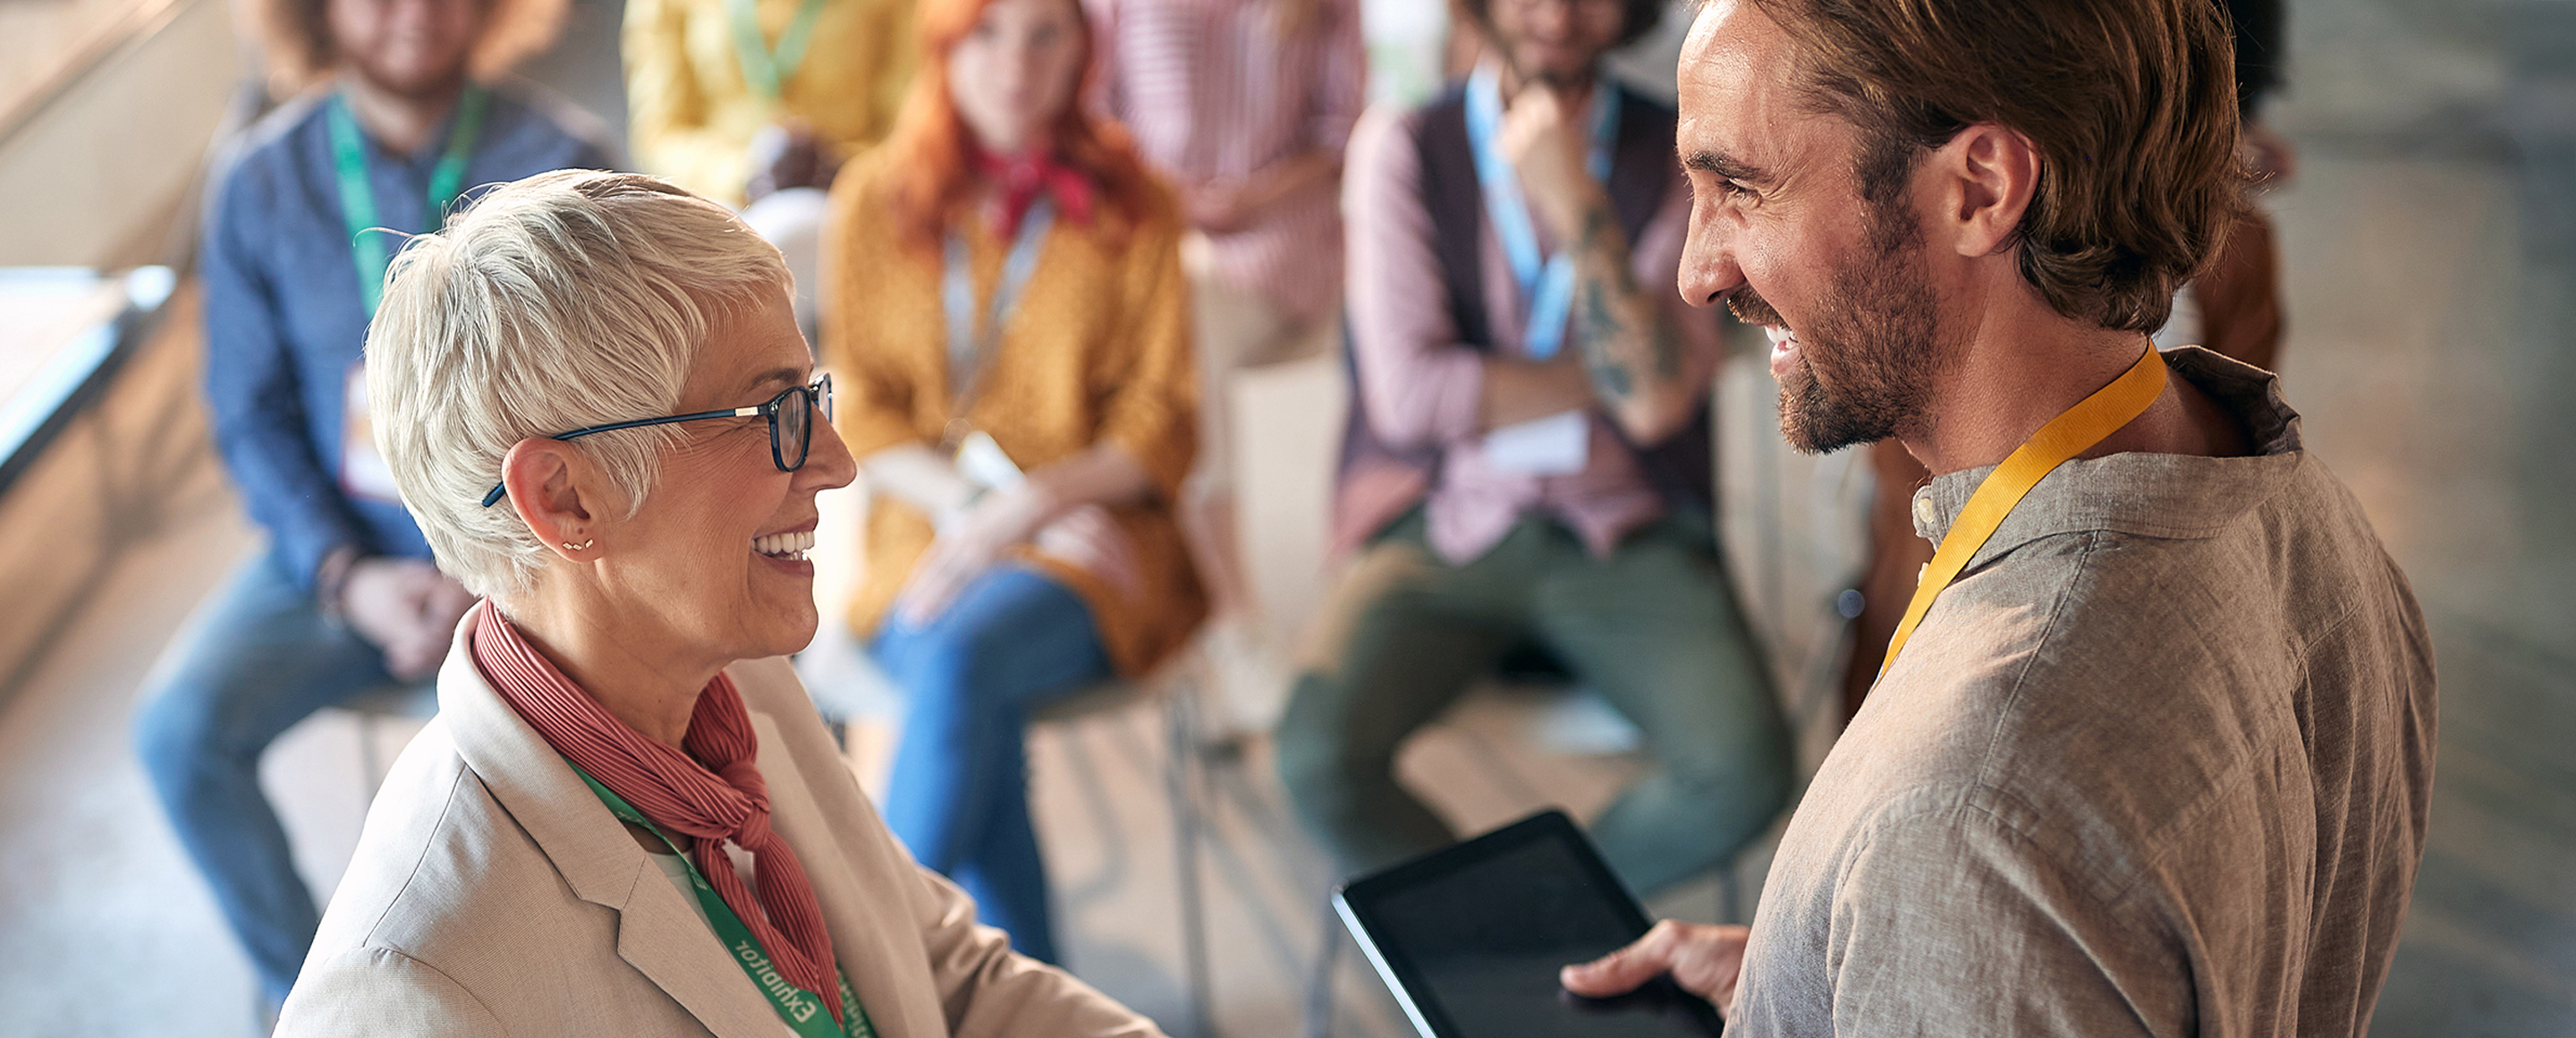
pixel 705 78
pixel 1008 316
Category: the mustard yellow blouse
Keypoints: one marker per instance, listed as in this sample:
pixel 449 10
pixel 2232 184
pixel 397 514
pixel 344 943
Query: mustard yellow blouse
pixel 1098 349
pixel 693 114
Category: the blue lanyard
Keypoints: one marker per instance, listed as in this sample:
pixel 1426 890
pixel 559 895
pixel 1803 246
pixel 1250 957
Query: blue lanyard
pixel 970 344
pixel 1547 283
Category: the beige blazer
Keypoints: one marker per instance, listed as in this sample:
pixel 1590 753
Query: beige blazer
pixel 493 894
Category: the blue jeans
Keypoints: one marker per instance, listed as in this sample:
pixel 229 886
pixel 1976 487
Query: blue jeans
pixel 958 797
pixel 257 658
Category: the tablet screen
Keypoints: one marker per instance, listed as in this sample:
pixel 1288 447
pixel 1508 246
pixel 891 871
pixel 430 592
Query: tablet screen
pixel 1475 936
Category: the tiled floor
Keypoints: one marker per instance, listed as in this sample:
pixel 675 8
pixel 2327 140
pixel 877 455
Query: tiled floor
pixel 2431 255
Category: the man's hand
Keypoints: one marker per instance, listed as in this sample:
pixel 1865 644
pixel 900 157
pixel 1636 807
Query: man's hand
pixel 1704 960
pixel 2273 158
pixel 405 607
pixel 1545 144
pixel 969 542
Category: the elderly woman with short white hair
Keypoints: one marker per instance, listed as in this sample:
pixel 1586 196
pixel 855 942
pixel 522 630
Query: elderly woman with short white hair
pixel 627 819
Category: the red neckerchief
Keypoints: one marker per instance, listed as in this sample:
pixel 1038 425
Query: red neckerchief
pixel 722 799
pixel 1022 176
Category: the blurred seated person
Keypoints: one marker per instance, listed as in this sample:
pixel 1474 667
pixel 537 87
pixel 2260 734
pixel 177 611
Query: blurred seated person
pixel 1246 107
pixel 405 111
pixel 1011 325
pixel 757 103
pixel 627 819
pixel 1530 458
pixel 2239 295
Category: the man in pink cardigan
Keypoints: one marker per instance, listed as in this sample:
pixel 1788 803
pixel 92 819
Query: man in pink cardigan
pixel 1527 473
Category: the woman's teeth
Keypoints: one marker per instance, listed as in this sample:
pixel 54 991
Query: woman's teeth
pixel 784 545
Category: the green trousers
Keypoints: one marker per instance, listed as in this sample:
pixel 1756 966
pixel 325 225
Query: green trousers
pixel 1654 628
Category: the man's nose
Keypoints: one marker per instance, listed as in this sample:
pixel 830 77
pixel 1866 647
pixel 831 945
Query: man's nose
pixel 1709 272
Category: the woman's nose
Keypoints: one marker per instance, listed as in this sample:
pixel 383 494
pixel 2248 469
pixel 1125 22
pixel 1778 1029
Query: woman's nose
pixel 828 464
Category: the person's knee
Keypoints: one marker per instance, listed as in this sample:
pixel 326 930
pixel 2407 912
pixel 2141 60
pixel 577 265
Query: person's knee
pixel 1316 758
pixel 180 737
pixel 956 674
pixel 1752 773
pixel 941 677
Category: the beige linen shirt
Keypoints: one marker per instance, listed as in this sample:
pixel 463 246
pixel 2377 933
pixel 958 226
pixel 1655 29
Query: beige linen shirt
pixel 2156 763
pixel 493 894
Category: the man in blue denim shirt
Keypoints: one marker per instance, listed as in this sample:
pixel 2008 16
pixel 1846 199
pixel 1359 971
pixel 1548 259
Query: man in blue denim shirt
pixel 346 598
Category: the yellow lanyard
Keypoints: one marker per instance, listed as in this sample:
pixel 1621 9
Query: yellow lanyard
pixel 2065 436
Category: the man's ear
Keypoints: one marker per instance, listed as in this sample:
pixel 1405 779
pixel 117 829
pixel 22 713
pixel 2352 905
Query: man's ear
pixel 557 492
pixel 1987 175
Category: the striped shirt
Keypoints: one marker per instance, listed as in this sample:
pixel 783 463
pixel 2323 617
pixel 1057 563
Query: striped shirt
pixel 1219 90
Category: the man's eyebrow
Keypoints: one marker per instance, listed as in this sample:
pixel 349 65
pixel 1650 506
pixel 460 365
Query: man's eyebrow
pixel 1727 166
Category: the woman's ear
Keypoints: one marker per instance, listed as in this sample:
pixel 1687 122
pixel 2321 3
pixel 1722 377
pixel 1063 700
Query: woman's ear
pixel 1992 172
pixel 557 492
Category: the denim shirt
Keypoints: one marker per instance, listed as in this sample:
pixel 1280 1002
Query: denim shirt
pixel 284 320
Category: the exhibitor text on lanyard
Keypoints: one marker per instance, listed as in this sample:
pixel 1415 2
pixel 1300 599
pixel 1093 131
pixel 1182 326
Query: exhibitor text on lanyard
pixel 2065 436
pixel 358 195
pixel 804 1013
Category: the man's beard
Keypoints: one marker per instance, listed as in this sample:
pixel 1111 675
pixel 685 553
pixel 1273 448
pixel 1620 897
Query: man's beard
pixel 1866 360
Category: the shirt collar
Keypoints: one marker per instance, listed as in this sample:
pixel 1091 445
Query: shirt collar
pixel 2154 495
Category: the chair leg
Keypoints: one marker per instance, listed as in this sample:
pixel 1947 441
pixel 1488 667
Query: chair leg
pixel 1319 984
pixel 1730 894
pixel 367 756
pixel 1179 777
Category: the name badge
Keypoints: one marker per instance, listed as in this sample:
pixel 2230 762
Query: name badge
pixel 1557 445
pixel 984 464
pixel 363 472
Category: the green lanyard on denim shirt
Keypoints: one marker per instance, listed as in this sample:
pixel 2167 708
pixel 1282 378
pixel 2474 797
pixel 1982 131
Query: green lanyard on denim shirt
pixel 358 196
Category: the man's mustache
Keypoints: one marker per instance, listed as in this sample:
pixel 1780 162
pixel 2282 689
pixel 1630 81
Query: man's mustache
pixel 1749 307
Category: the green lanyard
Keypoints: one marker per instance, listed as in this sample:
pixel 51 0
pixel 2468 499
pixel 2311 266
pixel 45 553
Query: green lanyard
pixel 803 1012
pixel 769 70
pixel 358 197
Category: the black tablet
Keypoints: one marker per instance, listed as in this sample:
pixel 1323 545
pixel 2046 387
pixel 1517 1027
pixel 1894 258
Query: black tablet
pixel 1470 938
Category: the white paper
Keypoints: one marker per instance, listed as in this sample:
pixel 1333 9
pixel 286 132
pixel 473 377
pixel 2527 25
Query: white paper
pixel 982 462
pixel 363 472
pixel 1557 445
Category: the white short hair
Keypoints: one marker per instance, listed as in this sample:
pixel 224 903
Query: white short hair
pixel 565 300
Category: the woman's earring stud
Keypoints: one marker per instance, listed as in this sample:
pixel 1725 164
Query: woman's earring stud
pixel 583 546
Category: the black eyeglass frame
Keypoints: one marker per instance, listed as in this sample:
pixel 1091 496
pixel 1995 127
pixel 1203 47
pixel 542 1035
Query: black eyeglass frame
pixel 818 397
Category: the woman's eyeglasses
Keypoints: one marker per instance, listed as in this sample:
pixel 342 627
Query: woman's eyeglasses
pixel 791 426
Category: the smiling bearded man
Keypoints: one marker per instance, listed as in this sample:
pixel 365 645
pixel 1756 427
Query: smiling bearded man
pixel 2152 750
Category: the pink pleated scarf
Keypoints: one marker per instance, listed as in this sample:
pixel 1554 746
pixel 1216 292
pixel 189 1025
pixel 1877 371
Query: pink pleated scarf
pixel 713 793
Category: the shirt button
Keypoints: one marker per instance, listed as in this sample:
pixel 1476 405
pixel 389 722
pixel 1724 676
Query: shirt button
pixel 1924 514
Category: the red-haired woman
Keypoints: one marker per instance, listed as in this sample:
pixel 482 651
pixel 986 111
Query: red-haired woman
pixel 1010 323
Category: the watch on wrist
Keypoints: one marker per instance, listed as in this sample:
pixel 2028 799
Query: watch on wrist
pixel 331 582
